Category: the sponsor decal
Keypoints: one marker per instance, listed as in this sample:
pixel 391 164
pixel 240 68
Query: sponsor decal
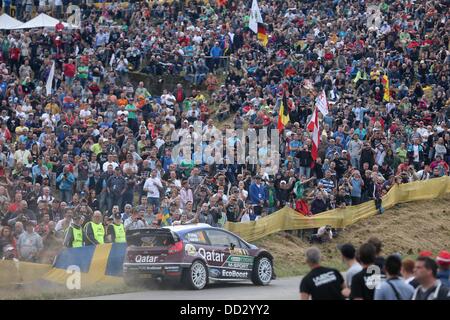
pixel 214 273
pixel 145 259
pixel 211 255
pixel 234 274
pixel 190 250
pixel 172 268
pixel 239 262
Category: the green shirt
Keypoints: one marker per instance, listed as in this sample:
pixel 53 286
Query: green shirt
pixel 299 189
pixel 401 154
pixel 131 111
pixel 83 72
pixel 188 165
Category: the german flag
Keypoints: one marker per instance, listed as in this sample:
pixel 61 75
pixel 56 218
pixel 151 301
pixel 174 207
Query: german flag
pixel 283 114
pixel 262 34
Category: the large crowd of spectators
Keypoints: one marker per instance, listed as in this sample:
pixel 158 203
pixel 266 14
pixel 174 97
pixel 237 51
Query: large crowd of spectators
pixel 99 144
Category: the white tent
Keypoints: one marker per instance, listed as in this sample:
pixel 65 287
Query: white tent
pixel 43 21
pixel 7 22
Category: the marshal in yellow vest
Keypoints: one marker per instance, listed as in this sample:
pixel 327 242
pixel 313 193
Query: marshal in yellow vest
pixel 99 232
pixel 119 231
pixel 77 237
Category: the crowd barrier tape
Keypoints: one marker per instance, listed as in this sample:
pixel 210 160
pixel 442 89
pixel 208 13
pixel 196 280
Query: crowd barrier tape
pixel 289 219
pixel 103 263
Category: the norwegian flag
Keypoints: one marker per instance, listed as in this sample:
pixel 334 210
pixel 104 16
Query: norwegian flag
pixel 322 103
pixel 313 126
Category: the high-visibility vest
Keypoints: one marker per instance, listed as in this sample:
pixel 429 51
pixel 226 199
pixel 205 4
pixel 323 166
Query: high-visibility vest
pixel 77 238
pixel 99 232
pixel 119 231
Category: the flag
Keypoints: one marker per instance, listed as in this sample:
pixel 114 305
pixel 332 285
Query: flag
pixel 262 34
pixel 385 82
pixel 51 75
pixel 166 220
pixel 255 17
pixel 283 114
pixel 313 126
pixel 322 103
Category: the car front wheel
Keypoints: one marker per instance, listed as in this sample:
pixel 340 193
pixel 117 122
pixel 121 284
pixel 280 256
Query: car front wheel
pixel 196 276
pixel 262 271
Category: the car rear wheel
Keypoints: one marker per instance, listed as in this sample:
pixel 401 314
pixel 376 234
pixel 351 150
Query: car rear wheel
pixel 196 277
pixel 262 271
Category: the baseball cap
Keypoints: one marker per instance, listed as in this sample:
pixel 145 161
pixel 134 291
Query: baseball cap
pixel 426 254
pixel 117 216
pixel 443 258
pixel 347 250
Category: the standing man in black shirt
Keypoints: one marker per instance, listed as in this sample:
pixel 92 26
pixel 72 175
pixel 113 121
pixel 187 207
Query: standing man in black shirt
pixel 321 283
pixel 364 282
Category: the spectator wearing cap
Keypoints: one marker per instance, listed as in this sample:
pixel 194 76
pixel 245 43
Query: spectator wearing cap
pixel 115 232
pixel 394 288
pixel 29 244
pixel 257 195
pixel 75 236
pixel 443 261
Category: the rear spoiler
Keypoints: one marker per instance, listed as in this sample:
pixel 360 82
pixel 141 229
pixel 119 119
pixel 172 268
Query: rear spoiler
pixel 135 237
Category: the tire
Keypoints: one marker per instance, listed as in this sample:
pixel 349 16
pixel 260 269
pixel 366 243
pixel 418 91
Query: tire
pixel 262 271
pixel 196 277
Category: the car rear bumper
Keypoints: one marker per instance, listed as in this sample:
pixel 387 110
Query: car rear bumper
pixel 153 270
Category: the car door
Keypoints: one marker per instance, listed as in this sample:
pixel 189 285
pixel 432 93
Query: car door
pixel 235 262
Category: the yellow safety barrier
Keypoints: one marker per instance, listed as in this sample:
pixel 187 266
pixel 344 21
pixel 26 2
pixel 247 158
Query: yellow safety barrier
pixel 15 272
pixel 289 219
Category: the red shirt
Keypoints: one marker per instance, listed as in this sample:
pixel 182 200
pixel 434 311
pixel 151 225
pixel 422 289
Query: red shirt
pixel 14 53
pixel 69 70
pixel 59 27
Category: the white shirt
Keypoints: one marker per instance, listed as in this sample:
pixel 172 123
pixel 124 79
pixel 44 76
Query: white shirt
pixel 168 99
pixel 60 224
pixel 106 164
pixel 416 153
pixel 151 186
pixel 48 199
pixel 245 217
pixel 133 225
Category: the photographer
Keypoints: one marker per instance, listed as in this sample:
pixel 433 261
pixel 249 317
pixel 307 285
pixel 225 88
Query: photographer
pixel 134 222
pixel 66 181
pixel 324 234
